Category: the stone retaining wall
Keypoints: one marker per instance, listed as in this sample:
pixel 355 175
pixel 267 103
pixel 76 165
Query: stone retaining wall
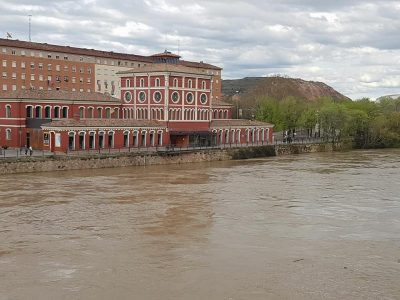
pixel 33 164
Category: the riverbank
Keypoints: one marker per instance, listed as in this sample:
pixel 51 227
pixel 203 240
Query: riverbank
pixel 57 163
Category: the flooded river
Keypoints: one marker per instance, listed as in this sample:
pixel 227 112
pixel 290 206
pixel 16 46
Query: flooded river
pixel 317 226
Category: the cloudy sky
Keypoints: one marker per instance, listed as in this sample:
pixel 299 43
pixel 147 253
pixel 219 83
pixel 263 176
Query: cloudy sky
pixel 352 45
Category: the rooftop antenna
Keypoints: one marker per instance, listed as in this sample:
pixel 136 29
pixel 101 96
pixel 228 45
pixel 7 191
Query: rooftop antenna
pixel 29 27
pixel 9 36
pixel 179 45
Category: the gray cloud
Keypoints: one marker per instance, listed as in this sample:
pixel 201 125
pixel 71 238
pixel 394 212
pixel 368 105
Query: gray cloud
pixel 349 44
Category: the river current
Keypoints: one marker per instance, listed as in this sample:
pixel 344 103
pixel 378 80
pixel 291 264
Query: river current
pixel 315 226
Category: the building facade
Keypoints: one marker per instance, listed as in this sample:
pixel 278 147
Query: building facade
pixel 41 66
pixel 164 102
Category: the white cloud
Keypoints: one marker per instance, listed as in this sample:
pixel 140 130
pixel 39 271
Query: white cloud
pixel 352 45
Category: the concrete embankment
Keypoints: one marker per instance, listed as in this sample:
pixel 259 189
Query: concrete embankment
pixel 56 163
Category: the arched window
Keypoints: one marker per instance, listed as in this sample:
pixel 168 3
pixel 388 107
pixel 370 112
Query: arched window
pixel 65 112
pixel 101 139
pixel 99 112
pixel 203 85
pixel 47 112
pixel 81 112
pixel 8 111
pixel 92 142
pixel 157 82
pixel 8 134
pixel 90 112
pixel 128 83
pixel 38 112
pixel 81 140
pixel 29 111
pixel 143 138
pixel 57 112
pixel 190 83
pixel 126 138
pixel 142 82
pixel 71 141
pixel 110 139
pixel 116 110
pixel 175 82
pixel 108 113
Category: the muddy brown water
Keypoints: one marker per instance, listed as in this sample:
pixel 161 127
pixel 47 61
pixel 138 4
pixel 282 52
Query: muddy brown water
pixel 317 226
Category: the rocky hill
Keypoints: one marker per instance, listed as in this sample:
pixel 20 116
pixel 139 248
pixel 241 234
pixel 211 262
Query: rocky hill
pixel 279 88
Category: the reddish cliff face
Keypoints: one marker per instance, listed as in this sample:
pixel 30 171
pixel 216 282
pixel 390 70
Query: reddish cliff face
pixel 279 88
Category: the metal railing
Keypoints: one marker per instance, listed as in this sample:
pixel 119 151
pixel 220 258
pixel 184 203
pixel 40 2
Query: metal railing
pixel 20 153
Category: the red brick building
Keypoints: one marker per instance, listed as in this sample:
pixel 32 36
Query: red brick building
pixel 166 103
pixel 42 66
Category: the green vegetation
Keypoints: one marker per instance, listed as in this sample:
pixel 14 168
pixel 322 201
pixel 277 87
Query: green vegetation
pixel 367 123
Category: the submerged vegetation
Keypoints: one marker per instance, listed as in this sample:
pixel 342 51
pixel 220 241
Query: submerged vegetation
pixel 369 124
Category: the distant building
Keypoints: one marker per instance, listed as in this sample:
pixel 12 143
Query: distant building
pixel 42 66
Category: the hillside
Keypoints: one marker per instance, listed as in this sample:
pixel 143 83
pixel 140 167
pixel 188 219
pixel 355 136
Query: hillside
pixel 279 88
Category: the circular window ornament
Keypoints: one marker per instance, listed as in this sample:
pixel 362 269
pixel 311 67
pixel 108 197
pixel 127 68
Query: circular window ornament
pixel 142 97
pixel 128 97
pixel 189 98
pixel 175 97
pixel 203 98
pixel 157 97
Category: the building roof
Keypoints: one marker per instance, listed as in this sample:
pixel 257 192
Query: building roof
pixel 239 122
pixel 166 54
pixel 73 50
pixel 166 67
pixel 57 95
pixel 97 53
pixel 101 123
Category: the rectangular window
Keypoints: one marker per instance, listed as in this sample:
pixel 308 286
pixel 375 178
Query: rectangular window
pixel 22 64
pixel 32 53
pixel 89 70
pixel 4 75
pixel 57 56
pixel 88 80
pixel 32 77
pixel 14 87
pixel 66 79
pixel 32 65
pixel 4 50
pixel 40 77
pixel 14 64
pixel 13 52
pixel 65 68
pixel 14 75
pixel 80 58
pixel 57 67
pixel 49 78
pixel 23 76
pixel 73 79
pixel 49 67
pixel 4 87
pixel 81 70
pixel 48 55
pixel 65 57
pixel 40 66
pixel 73 69
pixel 4 63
